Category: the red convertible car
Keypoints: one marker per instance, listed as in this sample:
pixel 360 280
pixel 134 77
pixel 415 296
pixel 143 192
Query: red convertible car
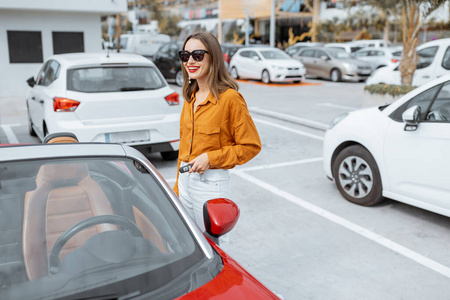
pixel 97 221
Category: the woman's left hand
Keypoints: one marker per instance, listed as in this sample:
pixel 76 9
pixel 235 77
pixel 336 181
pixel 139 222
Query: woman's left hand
pixel 200 164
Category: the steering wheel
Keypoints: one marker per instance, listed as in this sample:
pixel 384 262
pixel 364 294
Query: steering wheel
pixel 127 225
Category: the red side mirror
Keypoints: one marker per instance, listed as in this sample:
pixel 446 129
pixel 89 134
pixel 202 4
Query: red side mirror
pixel 220 216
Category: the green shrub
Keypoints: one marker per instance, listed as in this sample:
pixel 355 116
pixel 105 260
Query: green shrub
pixel 389 89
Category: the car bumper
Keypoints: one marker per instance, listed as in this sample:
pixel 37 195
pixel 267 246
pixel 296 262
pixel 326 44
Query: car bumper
pixel 355 76
pixel 282 77
pixel 163 131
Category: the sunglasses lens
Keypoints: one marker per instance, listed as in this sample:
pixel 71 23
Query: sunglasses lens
pixel 184 56
pixel 198 55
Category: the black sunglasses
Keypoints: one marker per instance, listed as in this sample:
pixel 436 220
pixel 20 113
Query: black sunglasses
pixel 197 55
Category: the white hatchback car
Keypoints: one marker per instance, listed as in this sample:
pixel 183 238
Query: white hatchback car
pixel 266 63
pixel 115 98
pixel 400 151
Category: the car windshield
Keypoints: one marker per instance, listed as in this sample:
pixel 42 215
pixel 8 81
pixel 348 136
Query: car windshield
pixel 273 54
pixel 113 79
pixel 79 228
pixel 339 53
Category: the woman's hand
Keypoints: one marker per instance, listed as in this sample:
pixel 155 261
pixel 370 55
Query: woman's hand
pixel 200 164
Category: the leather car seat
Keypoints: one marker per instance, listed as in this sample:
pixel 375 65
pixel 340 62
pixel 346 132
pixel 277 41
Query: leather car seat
pixel 65 194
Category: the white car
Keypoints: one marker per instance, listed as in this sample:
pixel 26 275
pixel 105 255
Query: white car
pixel 400 151
pixel 349 47
pixel 380 57
pixel 434 62
pixel 115 98
pixel 267 64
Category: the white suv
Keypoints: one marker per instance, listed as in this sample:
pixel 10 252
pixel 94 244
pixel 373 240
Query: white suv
pixel 115 98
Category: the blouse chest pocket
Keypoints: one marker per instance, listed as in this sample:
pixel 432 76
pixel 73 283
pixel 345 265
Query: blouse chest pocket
pixel 209 137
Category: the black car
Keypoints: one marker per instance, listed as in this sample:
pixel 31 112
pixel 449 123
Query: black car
pixel 228 51
pixel 168 62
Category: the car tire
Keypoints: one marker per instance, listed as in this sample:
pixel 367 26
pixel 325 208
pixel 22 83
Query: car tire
pixel 357 176
pixel 335 75
pixel 234 73
pixel 179 78
pixel 169 155
pixel 30 125
pixel 265 77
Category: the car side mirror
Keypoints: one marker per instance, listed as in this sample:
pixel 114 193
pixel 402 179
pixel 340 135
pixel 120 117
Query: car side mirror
pixel 220 216
pixel 255 58
pixel 31 82
pixel 411 118
pixel 324 58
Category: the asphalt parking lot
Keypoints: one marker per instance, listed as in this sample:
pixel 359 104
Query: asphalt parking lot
pixel 296 233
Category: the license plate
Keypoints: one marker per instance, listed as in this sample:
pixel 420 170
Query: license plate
pixel 128 137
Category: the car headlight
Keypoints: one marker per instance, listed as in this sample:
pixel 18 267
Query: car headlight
pixel 337 120
pixel 277 67
pixel 351 67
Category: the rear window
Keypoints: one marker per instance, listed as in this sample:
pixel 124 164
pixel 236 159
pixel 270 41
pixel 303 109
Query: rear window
pixel 114 79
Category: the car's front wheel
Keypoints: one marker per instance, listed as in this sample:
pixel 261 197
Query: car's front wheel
pixel 357 176
pixel 30 125
pixel 336 75
pixel 265 77
pixel 234 73
pixel 179 78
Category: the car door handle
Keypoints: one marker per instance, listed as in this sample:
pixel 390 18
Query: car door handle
pixel 426 76
pixel 33 98
pixel 41 101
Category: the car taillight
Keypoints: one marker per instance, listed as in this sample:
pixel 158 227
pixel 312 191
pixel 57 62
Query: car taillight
pixel 227 58
pixel 64 104
pixel 173 99
pixel 394 60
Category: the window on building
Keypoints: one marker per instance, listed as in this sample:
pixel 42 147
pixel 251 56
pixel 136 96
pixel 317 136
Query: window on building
pixel 67 42
pixel 25 46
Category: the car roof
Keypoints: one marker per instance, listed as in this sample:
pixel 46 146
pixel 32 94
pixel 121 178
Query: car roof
pixel 438 42
pixel 99 58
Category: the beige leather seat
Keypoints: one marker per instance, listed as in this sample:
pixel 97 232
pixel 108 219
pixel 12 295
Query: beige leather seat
pixel 65 194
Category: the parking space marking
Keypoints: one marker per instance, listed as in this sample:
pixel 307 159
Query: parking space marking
pixel 347 108
pixel 424 261
pixel 317 137
pixel 291 118
pixel 12 139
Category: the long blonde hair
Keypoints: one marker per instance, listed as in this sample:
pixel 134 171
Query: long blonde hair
pixel 219 80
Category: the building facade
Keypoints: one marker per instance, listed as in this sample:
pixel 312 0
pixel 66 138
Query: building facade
pixel 32 31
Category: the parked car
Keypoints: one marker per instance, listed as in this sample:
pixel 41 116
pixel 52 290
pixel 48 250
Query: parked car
pixel 349 47
pixel 145 44
pixel 169 63
pixel 399 151
pixel 334 64
pixel 373 43
pixel 380 57
pixel 228 52
pixel 100 97
pixel 434 62
pixel 267 64
pixel 291 50
pixel 97 221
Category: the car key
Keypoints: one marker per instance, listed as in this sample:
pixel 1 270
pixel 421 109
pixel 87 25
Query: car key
pixel 185 168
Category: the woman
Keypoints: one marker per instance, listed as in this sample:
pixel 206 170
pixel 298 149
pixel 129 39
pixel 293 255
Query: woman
pixel 216 130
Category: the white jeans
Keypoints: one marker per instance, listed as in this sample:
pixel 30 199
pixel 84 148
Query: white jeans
pixel 195 189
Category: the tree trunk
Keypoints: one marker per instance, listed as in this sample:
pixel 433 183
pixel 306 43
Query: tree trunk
pixel 408 64
pixel 386 32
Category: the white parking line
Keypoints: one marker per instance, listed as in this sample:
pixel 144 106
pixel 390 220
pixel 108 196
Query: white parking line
pixel 290 118
pixel 425 261
pixel 317 137
pixel 348 108
pixel 12 139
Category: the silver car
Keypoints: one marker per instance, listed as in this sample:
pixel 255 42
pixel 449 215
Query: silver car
pixel 333 64
pixel 380 57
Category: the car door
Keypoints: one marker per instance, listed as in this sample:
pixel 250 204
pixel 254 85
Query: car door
pixel 35 98
pixel 307 58
pixel 426 65
pixel 418 161
pixel 46 94
pixel 162 60
pixel 323 63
